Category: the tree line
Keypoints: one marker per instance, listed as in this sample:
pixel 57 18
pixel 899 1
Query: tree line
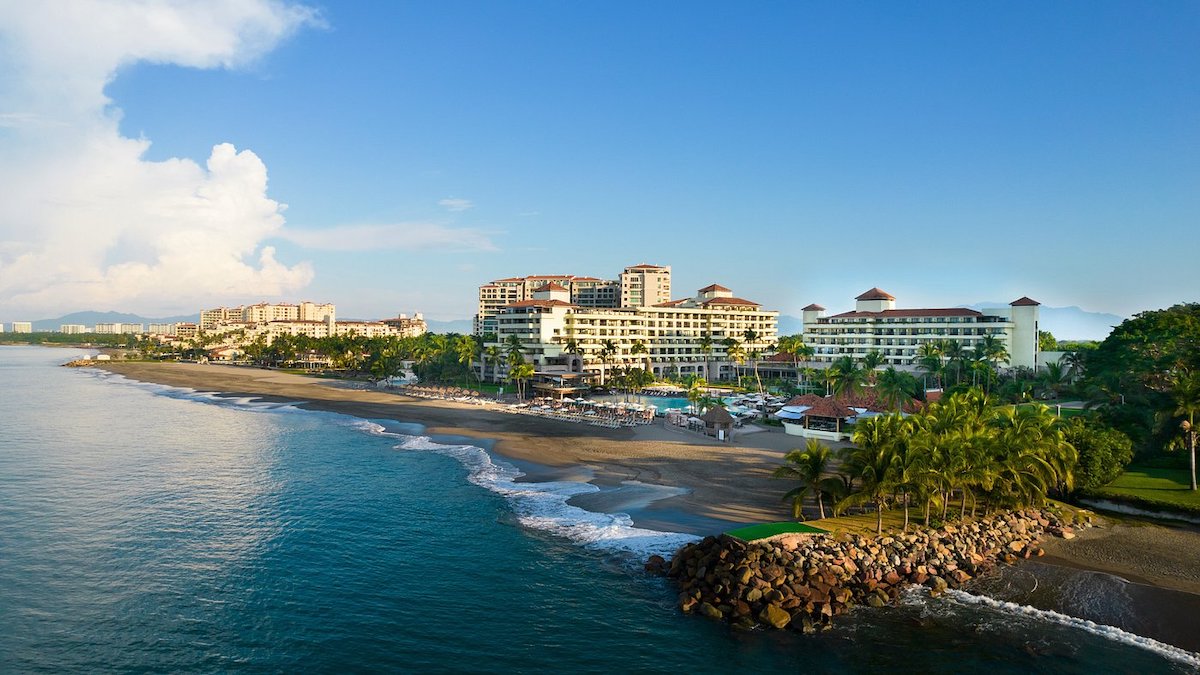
pixel 955 456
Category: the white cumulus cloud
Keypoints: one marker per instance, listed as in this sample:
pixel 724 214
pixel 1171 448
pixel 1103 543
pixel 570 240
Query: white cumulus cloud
pixel 86 221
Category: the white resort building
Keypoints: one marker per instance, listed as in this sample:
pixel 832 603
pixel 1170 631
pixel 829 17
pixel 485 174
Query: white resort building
pixel 560 335
pixel 897 334
pixel 638 286
pixel 315 320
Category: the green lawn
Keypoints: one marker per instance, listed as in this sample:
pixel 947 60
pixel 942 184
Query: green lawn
pixel 1165 487
pixel 755 532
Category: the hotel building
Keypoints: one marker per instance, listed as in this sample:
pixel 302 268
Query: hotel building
pixel 549 324
pixel 897 334
pixel 22 326
pixel 73 329
pixel 315 320
pixel 637 286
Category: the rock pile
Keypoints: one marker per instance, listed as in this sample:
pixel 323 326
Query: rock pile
pixel 804 581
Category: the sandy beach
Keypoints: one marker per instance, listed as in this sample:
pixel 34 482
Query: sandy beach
pixel 726 483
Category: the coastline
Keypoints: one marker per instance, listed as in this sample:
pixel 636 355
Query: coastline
pixel 726 484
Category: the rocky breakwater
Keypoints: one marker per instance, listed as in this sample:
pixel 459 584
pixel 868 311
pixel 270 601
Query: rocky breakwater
pixel 803 581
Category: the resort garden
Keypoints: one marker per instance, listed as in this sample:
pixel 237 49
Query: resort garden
pixel 955 457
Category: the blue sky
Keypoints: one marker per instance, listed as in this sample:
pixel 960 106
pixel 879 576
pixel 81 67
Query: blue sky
pixel 950 153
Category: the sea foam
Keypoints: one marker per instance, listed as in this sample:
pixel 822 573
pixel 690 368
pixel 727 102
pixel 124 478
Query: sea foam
pixel 543 506
pixel 1108 632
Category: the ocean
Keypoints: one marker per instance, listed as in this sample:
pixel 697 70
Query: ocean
pixel 148 528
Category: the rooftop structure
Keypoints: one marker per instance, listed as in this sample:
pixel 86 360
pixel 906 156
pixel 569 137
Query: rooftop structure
pixel 876 324
pixel 679 337
pixel 637 286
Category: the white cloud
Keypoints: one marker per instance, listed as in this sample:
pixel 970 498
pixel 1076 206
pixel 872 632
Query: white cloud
pixel 391 237
pixel 86 221
pixel 455 204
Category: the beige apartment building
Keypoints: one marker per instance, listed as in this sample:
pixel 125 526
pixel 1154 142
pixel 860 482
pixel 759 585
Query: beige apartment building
pixel 551 327
pixel 877 325
pixel 637 286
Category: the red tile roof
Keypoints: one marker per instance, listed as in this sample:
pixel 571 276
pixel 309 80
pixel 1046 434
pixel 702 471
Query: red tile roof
pixel 586 279
pixel 644 266
pixel 875 294
pixel 541 303
pixel 731 301
pixel 906 313
pixel 549 276
pixel 713 287
pixel 550 287
pixel 813 308
pixel 672 303
pixel 1024 301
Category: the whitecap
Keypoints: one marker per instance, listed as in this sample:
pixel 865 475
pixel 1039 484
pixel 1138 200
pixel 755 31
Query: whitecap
pixel 543 506
pixel 1109 632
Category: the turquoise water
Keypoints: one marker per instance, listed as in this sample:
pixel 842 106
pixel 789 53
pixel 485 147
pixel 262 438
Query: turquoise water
pixel 148 528
pixel 660 402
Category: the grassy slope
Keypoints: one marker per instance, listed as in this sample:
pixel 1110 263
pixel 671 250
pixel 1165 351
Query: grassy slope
pixel 1166 487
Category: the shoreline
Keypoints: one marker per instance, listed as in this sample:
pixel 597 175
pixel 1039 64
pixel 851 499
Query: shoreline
pixel 726 485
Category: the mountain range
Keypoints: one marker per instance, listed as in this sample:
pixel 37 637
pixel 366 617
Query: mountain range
pixel 1066 323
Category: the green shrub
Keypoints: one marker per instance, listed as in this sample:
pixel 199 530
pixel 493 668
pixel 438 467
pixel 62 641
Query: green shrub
pixel 1104 452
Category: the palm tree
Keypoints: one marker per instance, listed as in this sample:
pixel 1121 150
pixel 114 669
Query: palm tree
pixel 1075 362
pixel 519 374
pixel 1185 390
pixel 513 345
pixel 993 350
pixel 465 349
pixel 737 354
pixel 751 338
pixel 494 354
pixel 809 466
pixel 639 347
pixel 872 458
pixel 895 387
pixel 956 354
pixel 847 377
pixel 929 359
pixel 608 349
pixel 870 361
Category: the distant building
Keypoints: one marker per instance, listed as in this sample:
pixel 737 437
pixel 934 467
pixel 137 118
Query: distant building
pixel 898 334
pixel 73 329
pixel 120 328
pixel 406 327
pixel 264 312
pixel 22 327
pixel 186 331
pixel 638 286
pixel 555 332
pixel 161 329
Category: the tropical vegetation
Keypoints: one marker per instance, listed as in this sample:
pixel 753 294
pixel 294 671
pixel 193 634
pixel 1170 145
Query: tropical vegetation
pixel 962 453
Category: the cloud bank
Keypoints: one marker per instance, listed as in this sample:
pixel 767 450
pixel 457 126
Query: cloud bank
pixel 86 221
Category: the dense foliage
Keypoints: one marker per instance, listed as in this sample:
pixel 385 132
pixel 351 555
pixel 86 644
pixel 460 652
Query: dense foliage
pixel 1104 452
pixel 1133 377
pixel 962 449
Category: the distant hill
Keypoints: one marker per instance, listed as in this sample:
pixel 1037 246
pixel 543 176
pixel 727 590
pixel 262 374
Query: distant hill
pixel 461 326
pixel 1069 323
pixel 790 325
pixel 90 319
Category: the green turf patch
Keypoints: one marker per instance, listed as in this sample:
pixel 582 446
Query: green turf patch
pixel 755 532
pixel 1164 488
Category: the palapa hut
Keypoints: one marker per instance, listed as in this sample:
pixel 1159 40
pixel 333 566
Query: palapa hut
pixel 718 422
